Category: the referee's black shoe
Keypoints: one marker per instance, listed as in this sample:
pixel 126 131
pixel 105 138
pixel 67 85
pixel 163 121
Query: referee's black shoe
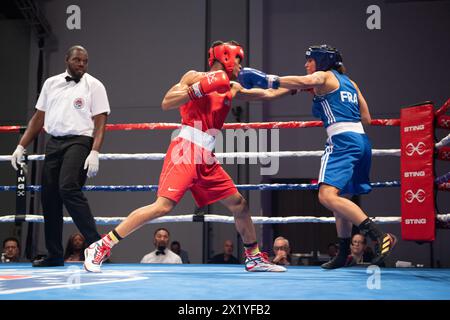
pixel 48 262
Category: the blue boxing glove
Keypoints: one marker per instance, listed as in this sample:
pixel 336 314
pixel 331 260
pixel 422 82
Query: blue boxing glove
pixel 250 78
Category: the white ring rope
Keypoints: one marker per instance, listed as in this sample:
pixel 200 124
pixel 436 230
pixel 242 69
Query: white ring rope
pixel 445 141
pixel 213 218
pixel 227 155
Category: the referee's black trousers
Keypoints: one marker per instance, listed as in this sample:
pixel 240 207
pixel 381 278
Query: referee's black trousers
pixel 63 176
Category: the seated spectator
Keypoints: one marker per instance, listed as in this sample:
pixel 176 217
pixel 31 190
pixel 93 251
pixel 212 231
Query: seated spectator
pixel 332 250
pixel 227 256
pixel 282 252
pixel 161 254
pixel 175 246
pixel 75 248
pixel 11 250
pixel 360 253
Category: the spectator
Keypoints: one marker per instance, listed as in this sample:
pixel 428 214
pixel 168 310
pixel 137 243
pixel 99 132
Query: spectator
pixel 176 248
pixel 332 250
pixel 227 256
pixel 360 253
pixel 75 248
pixel 11 250
pixel 282 252
pixel 161 254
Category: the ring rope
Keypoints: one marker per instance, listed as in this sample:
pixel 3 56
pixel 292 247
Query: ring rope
pixel 211 218
pixel 443 109
pixel 226 155
pixel 443 179
pixel 444 186
pixel 445 141
pixel 262 187
pixel 249 125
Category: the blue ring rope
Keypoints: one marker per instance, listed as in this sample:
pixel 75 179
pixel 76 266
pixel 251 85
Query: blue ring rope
pixel 261 187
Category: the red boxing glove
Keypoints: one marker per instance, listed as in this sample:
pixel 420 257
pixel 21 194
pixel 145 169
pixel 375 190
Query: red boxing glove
pixel 216 81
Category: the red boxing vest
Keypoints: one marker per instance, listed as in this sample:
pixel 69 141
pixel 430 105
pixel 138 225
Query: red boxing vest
pixel 209 112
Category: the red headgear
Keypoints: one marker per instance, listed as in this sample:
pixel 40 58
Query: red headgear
pixel 226 54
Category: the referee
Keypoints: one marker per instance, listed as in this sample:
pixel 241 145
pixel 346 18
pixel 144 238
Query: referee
pixel 72 108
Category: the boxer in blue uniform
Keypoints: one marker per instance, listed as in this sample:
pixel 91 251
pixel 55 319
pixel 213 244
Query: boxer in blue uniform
pixel 345 164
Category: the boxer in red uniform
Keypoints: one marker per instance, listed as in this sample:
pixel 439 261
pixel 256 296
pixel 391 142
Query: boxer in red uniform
pixel 204 100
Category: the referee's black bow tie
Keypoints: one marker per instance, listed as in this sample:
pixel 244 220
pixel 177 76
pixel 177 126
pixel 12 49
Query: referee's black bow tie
pixel 69 78
pixel 160 252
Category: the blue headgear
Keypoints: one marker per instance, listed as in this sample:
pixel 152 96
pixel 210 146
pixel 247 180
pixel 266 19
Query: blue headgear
pixel 326 57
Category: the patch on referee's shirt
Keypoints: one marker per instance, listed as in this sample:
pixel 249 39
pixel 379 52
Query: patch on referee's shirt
pixel 78 103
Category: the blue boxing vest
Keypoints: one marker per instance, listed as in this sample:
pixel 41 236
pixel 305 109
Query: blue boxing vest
pixel 340 105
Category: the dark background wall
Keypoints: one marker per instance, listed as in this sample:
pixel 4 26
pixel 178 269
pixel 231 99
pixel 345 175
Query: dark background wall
pixel 14 79
pixel 139 49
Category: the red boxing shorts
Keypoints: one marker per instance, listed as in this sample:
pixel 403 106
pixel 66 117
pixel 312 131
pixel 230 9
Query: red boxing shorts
pixel 189 166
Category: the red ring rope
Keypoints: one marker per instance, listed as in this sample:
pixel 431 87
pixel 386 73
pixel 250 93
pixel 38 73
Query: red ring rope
pixel 252 125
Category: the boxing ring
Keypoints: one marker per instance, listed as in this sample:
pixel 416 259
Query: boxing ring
pixel 219 282
pixel 222 282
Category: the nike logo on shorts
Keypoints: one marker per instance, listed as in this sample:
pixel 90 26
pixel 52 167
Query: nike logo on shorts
pixel 170 189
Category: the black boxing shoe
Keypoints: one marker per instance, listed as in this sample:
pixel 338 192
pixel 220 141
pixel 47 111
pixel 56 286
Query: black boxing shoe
pixel 383 248
pixel 48 262
pixel 337 262
pixel 340 260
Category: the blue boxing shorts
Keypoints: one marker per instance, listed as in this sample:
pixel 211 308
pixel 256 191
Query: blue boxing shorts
pixel 345 163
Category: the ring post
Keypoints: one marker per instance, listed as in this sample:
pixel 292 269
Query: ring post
pixel 417 198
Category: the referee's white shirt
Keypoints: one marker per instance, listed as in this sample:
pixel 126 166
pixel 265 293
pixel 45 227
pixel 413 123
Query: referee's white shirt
pixel 168 257
pixel 69 106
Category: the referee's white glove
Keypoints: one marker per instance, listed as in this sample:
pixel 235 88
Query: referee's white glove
pixel 91 164
pixel 16 157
